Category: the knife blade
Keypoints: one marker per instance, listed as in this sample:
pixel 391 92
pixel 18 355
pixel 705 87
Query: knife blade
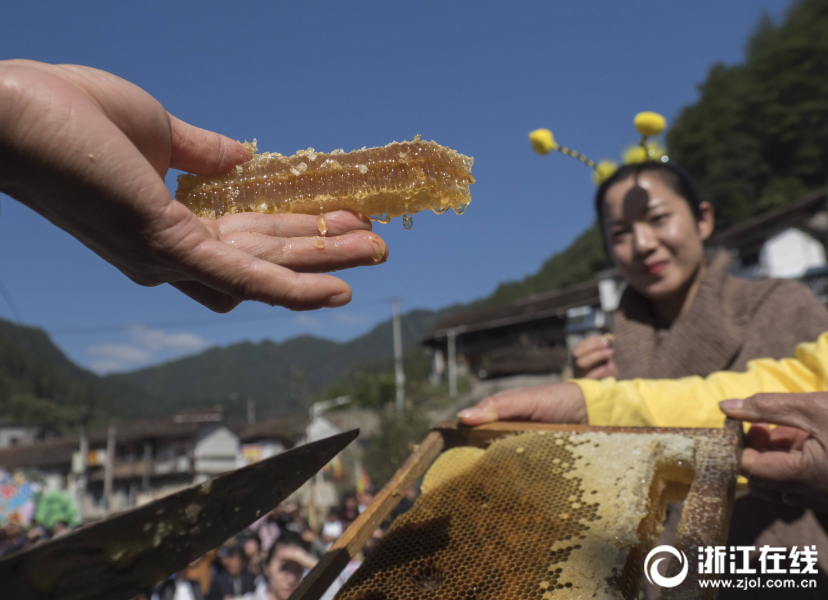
pixel 118 557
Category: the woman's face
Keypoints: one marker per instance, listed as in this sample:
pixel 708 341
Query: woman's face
pixel 655 240
pixel 283 574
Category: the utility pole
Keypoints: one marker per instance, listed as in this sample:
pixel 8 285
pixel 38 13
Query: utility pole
pixel 109 468
pixel 451 338
pixel 399 374
pixel 145 476
pixel 83 455
pixel 251 411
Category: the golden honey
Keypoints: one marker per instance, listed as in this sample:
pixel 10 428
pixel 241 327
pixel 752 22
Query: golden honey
pixel 537 516
pixel 399 179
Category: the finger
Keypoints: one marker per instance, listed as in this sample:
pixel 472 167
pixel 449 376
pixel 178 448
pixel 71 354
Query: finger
pixel 774 469
pixel 212 299
pixel 197 256
pixel 313 254
pixel 803 411
pixel 758 437
pixel 590 344
pixel 245 277
pixel 598 373
pixel 594 359
pixel 293 225
pixel 786 439
pixel 557 403
pixel 203 152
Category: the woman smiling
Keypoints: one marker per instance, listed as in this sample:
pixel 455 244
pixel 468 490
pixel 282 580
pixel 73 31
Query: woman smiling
pixel 681 313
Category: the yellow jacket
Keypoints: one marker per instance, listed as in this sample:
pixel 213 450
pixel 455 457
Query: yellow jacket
pixel 693 401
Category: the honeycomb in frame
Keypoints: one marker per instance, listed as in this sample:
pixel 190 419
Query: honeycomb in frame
pixel 537 516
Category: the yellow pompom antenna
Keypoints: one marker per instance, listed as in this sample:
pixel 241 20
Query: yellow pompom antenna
pixel 649 123
pixel 646 123
pixel 543 142
pixel 603 171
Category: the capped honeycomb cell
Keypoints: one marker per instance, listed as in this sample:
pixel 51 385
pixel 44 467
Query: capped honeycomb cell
pixel 399 179
pixel 537 516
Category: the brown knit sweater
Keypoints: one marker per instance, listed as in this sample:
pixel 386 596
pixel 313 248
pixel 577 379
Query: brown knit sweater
pixel 730 322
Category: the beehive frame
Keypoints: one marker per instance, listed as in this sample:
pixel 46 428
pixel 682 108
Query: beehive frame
pixel 704 520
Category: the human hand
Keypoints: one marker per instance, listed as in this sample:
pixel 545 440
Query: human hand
pixel 787 464
pixel 296 554
pixel 592 358
pixel 89 151
pixel 551 403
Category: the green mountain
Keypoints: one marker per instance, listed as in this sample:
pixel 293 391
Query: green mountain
pixel 282 378
pixel 39 385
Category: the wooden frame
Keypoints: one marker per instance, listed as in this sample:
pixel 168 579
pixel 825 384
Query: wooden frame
pixel 704 521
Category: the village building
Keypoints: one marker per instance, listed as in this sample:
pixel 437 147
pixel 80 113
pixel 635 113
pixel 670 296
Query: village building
pixel 151 458
pixel 534 336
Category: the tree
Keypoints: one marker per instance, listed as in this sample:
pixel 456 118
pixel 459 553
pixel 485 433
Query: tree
pixel 758 136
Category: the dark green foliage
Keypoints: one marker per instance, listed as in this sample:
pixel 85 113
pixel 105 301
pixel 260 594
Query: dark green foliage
pixel 579 262
pixel 39 386
pixel 392 446
pixel 758 136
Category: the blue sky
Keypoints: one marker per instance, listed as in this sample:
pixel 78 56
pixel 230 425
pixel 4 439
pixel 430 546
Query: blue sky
pixel 476 76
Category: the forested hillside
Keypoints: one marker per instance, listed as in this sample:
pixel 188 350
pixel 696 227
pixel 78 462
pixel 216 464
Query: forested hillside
pixel 758 136
pixel 40 386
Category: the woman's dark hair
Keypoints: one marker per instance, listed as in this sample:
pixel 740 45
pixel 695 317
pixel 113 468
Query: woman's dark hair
pixel 286 538
pixel 672 174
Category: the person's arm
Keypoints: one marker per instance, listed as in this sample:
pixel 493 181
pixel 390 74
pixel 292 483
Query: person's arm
pixel 688 402
pixel 89 151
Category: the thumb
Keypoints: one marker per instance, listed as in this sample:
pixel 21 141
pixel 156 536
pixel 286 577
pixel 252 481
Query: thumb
pixel 511 405
pixel 807 412
pixel 203 152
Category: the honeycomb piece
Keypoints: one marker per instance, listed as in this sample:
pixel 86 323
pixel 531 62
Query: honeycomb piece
pixel 401 178
pixel 450 464
pixel 539 516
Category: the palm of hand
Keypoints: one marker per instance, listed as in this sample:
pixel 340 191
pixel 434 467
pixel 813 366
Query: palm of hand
pixel 89 151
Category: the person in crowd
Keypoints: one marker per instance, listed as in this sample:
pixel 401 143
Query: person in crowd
pixel 286 564
pixel 332 528
pixel 201 570
pixel 178 587
pixel 60 528
pixel 14 539
pixel 269 528
pixel 682 314
pixel 252 554
pixel 365 498
pixel 232 581
pixel 315 545
pixel 89 151
pixel 348 510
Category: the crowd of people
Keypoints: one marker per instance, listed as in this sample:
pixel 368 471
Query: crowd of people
pixel 14 536
pixel 268 560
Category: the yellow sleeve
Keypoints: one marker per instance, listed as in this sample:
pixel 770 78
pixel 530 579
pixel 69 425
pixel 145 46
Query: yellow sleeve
pixel 693 401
